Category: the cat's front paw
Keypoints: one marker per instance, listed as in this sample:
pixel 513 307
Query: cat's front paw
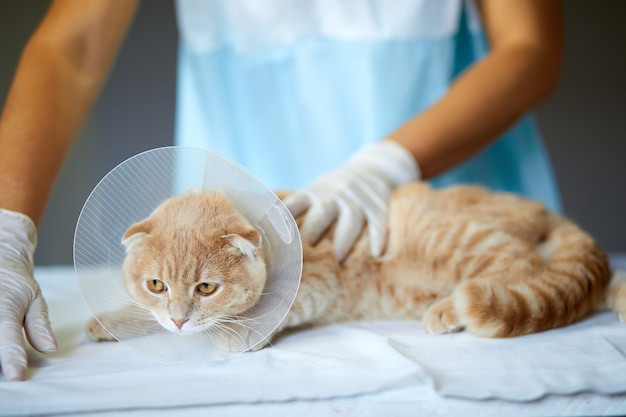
pixel 259 346
pixel 441 318
pixel 97 333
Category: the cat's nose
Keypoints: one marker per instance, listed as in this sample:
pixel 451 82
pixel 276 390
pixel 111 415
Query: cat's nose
pixel 179 322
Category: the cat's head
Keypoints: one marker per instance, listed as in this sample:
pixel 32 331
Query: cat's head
pixel 194 262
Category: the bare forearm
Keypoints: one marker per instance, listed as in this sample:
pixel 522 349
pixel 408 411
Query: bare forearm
pixel 482 104
pixel 59 77
pixel 43 113
pixel 522 67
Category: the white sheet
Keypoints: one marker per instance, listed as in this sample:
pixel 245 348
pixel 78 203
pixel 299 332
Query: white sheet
pixel 365 368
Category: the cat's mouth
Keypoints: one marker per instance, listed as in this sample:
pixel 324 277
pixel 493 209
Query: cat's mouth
pixel 191 327
pixel 184 331
pixel 182 327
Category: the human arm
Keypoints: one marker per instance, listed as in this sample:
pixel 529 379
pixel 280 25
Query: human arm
pixel 59 76
pixel 520 70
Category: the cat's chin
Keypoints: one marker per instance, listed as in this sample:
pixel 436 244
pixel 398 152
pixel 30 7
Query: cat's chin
pixel 185 332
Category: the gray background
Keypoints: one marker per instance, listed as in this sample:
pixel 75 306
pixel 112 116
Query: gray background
pixel 583 122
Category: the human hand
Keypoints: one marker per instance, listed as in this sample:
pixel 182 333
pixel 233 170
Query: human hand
pixel 356 193
pixel 21 302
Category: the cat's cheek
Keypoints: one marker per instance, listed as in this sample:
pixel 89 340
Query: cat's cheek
pixel 167 323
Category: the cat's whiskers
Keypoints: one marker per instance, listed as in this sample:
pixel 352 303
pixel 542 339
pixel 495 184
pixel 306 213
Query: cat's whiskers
pixel 245 341
pixel 142 308
pixel 135 303
pixel 144 313
pixel 224 321
pixel 230 333
pixel 244 319
pixel 209 334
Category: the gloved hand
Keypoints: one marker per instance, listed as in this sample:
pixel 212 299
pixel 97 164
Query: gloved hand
pixel 21 302
pixel 357 192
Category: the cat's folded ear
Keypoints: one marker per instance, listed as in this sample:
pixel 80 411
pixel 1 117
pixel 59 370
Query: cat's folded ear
pixel 244 243
pixel 136 235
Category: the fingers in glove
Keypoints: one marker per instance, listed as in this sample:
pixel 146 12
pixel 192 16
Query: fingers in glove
pixel 317 220
pixel 37 326
pixel 348 228
pixel 297 203
pixel 12 353
pixel 371 198
pixel 378 235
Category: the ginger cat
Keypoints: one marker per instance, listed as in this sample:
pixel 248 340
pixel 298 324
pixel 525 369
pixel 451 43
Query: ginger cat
pixel 493 264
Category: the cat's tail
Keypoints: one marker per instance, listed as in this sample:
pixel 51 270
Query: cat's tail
pixel 569 282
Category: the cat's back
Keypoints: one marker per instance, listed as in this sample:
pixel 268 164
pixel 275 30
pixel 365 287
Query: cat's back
pixel 417 211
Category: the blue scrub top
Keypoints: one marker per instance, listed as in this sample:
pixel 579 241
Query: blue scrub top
pixel 291 89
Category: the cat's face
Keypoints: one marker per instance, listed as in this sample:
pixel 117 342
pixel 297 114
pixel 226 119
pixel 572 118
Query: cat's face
pixel 194 263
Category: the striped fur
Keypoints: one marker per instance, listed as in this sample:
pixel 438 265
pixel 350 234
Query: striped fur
pixel 492 263
pixel 461 258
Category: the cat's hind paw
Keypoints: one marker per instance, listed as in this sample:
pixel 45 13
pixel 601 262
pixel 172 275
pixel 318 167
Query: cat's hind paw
pixel 616 295
pixel 441 318
pixel 97 333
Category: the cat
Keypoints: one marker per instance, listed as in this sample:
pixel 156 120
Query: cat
pixel 460 258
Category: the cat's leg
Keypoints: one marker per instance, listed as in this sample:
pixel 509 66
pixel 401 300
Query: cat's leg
pixel 441 317
pixel 96 332
pixel 129 321
pixel 319 289
pixel 315 295
pixel 234 337
pixel 317 292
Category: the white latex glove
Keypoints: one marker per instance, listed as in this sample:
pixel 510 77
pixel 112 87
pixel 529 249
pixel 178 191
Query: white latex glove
pixel 21 302
pixel 357 192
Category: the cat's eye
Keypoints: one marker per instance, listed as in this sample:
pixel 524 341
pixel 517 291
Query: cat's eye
pixel 206 288
pixel 156 286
